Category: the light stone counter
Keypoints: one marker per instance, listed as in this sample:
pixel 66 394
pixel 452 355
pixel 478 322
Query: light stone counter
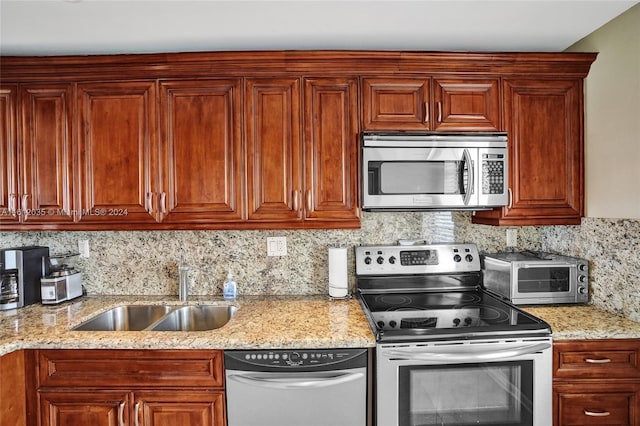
pixel 260 323
pixel 585 322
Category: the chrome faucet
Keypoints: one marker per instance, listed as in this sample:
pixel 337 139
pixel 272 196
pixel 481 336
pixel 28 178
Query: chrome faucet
pixel 183 281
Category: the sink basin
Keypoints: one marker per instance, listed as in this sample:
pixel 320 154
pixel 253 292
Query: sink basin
pixel 125 318
pixel 195 318
pixel 159 318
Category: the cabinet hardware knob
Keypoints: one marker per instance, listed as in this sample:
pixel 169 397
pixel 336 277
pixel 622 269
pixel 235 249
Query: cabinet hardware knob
pixel 510 198
pixel 426 112
pixel 439 112
pixel 596 413
pixel 308 200
pixel 24 206
pixel 12 203
pixel 121 414
pixel 136 413
pixel 597 361
pixel 295 200
pixel 150 202
pixel 163 202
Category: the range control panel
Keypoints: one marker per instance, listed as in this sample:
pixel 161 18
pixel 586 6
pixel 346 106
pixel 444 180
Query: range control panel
pixel 422 259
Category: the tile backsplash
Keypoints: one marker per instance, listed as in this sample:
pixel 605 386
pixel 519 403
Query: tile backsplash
pixel 145 262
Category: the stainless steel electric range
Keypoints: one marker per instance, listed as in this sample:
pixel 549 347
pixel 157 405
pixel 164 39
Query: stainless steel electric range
pixel 449 353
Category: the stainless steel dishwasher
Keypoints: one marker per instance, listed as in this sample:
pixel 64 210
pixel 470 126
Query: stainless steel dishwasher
pixel 311 387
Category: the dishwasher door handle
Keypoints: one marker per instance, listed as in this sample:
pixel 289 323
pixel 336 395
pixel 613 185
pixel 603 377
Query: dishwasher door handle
pixel 282 382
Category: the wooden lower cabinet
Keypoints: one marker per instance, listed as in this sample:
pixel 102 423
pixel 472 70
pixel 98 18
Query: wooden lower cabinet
pixel 131 388
pixel 596 382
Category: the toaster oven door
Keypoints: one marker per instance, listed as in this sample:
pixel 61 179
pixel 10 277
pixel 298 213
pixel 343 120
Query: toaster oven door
pixel 545 283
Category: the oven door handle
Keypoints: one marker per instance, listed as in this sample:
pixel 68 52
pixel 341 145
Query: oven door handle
pixel 484 356
pixel 282 382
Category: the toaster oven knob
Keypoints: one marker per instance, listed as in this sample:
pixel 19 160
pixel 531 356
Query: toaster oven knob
pixel 582 278
pixel 457 258
pixel 582 267
pixel 582 290
pixel 392 260
pixel 380 260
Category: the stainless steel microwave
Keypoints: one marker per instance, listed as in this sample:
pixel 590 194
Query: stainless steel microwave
pixel 402 171
pixel 533 278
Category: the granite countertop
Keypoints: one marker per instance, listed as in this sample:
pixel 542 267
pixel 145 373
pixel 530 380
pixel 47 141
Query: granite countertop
pixel 272 322
pixel 584 322
pixel 259 323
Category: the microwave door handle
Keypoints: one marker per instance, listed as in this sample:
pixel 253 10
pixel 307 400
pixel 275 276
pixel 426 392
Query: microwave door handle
pixel 547 264
pixel 470 183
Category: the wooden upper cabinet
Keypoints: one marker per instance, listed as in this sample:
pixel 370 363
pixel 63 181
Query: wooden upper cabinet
pixel 452 104
pixel 8 154
pixel 117 144
pixel 202 161
pixel 546 159
pixel 396 103
pixel 331 150
pixel 46 158
pixel 274 149
pixel 466 104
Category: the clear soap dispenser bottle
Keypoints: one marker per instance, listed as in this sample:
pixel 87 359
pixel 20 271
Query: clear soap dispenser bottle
pixel 229 288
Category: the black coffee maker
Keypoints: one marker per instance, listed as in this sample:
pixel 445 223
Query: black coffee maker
pixel 20 271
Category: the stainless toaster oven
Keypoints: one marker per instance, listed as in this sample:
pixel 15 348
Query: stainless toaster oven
pixel 533 278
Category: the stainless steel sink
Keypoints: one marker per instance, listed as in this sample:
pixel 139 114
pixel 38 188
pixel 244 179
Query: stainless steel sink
pixel 159 318
pixel 125 318
pixel 195 318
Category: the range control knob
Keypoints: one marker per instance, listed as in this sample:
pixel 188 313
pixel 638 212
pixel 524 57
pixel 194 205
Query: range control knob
pixel 380 324
pixel 456 321
pixel 380 260
pixel 469 258
pixel 367 260
pixel 457 258
pixel 392 324
pixel 392 260
pixel 467 321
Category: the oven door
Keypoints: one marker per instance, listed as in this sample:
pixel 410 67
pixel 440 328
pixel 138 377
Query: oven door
pixel 420 177
pixel 461 383
pixel 546 282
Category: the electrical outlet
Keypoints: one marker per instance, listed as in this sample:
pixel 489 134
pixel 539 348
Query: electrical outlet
pixel 276 246
pixel 83 248
pixel 512 238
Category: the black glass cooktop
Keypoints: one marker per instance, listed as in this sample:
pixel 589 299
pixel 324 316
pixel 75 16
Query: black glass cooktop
pixel 451 312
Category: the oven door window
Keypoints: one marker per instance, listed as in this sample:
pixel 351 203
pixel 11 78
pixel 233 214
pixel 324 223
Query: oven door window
pixel 548 279
pixel 497 393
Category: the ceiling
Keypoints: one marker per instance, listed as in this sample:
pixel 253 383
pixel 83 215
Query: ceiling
pixel 58 27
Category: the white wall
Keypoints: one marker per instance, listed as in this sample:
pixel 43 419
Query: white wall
pixel 612 118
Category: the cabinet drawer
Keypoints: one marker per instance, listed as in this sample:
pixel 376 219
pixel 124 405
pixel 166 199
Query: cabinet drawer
pixel 596 359
pixel 577 405
pixel 130 368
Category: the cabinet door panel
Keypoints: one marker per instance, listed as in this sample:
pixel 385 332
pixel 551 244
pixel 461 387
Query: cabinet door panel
pixel 8 154
pixel 91 407
pixel 467 104
pixel 582 404
pixel 274 148
pixel 201 139
pixel 396 103
pixel 180 408
pixel 117 136
pixel 331 158
pixel 47 153
pixel 546 159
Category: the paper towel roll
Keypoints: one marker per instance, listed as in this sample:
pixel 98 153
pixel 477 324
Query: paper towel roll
pixel 338 281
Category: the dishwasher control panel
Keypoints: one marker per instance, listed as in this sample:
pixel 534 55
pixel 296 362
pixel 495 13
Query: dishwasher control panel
pixel 291 359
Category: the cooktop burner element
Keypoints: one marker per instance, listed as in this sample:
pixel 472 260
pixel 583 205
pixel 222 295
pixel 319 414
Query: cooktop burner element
pixel 412 292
